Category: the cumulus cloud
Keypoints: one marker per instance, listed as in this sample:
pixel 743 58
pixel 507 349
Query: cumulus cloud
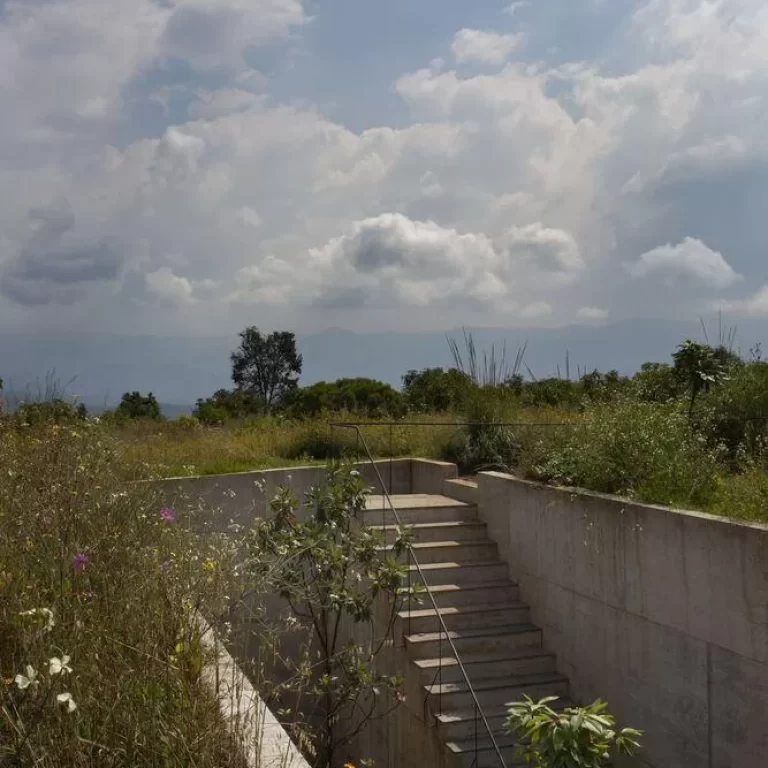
pixel 516 194
pixel 391 260
pixel 57 263
pixel 592 313
pixel 164 284
pixel 475 45
pixel 755 305
pixel 690 258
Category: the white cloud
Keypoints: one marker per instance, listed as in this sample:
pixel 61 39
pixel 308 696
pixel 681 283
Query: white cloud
pixel 755 306
pixel 164 284
pixel 690 258
pixel 500 193
pixel 391 260
pixel 475 45
pixel 592 313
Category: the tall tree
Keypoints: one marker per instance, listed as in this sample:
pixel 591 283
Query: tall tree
pixel 266 367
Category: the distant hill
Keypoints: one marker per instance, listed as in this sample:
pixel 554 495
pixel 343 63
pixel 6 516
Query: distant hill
pixel 180 369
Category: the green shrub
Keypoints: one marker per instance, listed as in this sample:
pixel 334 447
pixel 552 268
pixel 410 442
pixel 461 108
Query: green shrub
pixel 54 411
pixel 319 442
pixel 643 451
pixel 743 495
pixel 735 415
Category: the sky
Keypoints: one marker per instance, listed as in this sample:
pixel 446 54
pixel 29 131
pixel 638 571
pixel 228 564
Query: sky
pixel 189 167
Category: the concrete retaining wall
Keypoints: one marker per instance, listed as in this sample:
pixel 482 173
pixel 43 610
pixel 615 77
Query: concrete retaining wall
pixel 663 613
pixel 216 503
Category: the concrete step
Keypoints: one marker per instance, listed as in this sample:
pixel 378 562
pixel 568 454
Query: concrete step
pixel 474 640
pixel 459 725
pixel 459 572
pixel 500 691
pixel 480 752
pixel 464 616
pixel 416 508
pixel 502 590
pixel 472 551
pixel 453 530
pixel 480 666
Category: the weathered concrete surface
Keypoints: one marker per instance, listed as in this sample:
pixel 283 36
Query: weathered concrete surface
pixel 264 742
pixel 662 613
pixel 221 503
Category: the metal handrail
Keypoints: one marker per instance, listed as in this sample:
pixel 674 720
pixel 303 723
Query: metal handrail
pixel 443 627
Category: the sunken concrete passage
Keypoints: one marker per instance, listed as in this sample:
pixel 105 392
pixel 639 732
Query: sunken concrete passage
pixel 500 649
pixel 661 612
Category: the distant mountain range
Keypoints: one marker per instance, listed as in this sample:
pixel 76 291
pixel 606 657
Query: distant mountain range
pixel 99 368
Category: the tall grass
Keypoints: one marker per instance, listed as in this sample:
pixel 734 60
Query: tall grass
pixel 100 657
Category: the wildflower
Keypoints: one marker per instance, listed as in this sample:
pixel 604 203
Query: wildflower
pixel 24 681
pixel 66 700
pixel 80 561
pixel 59 666
pixel 168 515
pixel 349 765
pixel 47 613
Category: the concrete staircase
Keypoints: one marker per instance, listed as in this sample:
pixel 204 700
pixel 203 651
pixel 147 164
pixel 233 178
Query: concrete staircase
pixel 490 626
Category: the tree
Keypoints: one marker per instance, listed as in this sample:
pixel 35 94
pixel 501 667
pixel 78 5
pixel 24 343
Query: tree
pixel 577 737
pixel 699 367
pixel 345 592
pixel 435 389
pixel 134 405
pixel 266 367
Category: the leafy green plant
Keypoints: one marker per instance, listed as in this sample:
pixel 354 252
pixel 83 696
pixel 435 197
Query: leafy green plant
pixel 641 450
pixel 345 589
pixel 576 737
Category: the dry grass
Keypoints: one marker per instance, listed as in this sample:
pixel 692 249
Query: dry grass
pixel 92 575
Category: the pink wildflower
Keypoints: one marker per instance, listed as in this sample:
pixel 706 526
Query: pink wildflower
pixel 80 561
pixel 168 515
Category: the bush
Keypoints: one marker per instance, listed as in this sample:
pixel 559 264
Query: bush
pixel 434 390
pixel 735 415
pixel 319 442
pixel 648 452
pixel 50 412
pixel 97 640
pixel 367 397
pixel 134 405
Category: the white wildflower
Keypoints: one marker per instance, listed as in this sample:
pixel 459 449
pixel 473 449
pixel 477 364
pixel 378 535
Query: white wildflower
pixel 66 700
pixel 24 681
pixel 45 613
pixel 59 666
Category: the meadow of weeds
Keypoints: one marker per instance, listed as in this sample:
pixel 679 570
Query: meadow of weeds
pixel 100 657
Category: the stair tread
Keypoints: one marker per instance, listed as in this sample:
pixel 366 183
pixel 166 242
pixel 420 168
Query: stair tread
pixel 376 502
pixel 491 713
pixel 453 564
pixel 432 526
pixel 470 586
pixel 447 544
pixel 503 740
pixel 506 681
pixel 478 657
pixel 474 632
pixel 454 610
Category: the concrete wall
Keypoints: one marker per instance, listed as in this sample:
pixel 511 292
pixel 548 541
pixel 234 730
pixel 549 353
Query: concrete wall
pixel 217 502
pixel 662 613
